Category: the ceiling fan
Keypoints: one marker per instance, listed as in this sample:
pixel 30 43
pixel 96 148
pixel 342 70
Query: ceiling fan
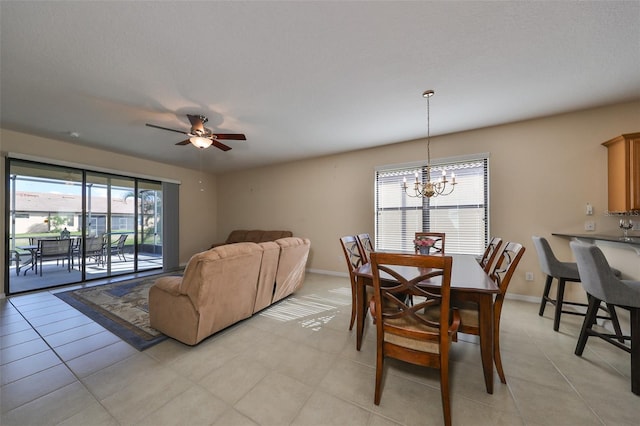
pixel 203 137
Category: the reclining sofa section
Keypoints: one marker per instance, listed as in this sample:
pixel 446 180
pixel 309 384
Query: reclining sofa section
pixel 226 284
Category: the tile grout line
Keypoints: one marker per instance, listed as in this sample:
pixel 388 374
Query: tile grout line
pixel 62 361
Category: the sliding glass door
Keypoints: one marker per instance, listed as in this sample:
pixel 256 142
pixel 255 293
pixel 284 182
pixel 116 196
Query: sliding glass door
pixel 110 217
pixel 95 225
pixel 150 235
pixel 45 204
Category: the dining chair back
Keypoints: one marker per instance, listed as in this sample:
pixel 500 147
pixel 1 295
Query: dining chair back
pixel 490 253
pixel 353 256
pixel 366 246
pixel 54 250
pixel 403 331
pixel 95 249
pixel 602 285
pixel 563 272
pixel 118 247
pixel 33 241
pixel 506 264
pixel 438 237
pixel 76 251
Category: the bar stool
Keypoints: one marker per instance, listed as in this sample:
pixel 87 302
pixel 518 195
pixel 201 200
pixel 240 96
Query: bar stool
pixel 564 272
pixel 602 285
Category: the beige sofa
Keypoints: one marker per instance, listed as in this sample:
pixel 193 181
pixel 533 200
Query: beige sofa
pixel 225 285
pixel 253 236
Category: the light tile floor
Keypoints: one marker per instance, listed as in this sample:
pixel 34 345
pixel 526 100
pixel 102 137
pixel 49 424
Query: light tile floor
pixel 296 364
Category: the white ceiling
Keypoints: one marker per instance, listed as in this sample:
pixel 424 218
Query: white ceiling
pixel 303 79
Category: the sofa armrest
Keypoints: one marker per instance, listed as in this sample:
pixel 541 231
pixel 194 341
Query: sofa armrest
pixel 170 285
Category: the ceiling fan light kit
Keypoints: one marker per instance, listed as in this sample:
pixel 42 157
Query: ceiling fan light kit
pixel 200 142
pixel 203 137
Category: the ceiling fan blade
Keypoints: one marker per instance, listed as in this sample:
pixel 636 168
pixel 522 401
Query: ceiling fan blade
pixel 166 128
pixel 220 145
pixel 231 136
pixel 185 142
pixel 197 122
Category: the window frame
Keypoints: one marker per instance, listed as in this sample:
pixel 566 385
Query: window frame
pixel 402 240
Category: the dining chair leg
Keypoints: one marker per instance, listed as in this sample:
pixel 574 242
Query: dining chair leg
pixel 444 388
pixel 354 305
pixel 545 295
pixel 611 310
pixel 635 350
pixel 379 367
pixel 559 301
pixel 589 320
pixel 497 359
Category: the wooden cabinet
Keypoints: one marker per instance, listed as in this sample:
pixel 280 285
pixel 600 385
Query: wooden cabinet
pixel 624 172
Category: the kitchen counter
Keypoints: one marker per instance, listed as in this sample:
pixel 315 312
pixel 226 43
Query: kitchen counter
pixel 632 240
pixel 620 253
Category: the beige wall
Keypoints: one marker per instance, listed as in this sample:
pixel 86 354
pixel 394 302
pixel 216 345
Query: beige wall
pixel 197 208
pixel 543 173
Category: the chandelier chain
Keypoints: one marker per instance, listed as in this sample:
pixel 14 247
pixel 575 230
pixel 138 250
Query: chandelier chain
pixel 428 140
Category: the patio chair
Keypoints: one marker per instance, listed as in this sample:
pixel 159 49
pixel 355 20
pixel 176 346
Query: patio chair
pixel 95 249
pixel 118 247
pixel 54 250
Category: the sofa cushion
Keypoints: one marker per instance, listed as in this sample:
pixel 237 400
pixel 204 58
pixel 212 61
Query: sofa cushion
pixel 267 279
pixel 274 235
pixel 237 236
pixel 254 236
pixel 292 264
pixel 201 267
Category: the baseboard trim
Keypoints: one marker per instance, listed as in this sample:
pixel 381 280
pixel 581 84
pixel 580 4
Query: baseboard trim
pixel 325 272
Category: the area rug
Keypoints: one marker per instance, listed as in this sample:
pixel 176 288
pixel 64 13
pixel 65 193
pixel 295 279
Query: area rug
pixel 122 308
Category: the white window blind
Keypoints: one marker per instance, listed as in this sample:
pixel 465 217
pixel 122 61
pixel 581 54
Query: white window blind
pixel 462 215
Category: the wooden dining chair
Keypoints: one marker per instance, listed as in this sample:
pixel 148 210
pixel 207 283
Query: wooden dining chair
pixel 438 247
pixel 403 331
pixel 353 256
pixel 508 258
pixel 490 253
pixel 366 246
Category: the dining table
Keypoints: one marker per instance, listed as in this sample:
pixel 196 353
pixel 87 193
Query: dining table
pixel 469 283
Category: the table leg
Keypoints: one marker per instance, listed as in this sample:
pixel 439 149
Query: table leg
pixel 486 339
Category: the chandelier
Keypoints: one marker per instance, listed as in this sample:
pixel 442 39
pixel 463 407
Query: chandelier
pixel 430 189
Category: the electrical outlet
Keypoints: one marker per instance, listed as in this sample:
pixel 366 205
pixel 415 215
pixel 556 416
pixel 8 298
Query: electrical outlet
pixel 528 276
pixel 589 225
